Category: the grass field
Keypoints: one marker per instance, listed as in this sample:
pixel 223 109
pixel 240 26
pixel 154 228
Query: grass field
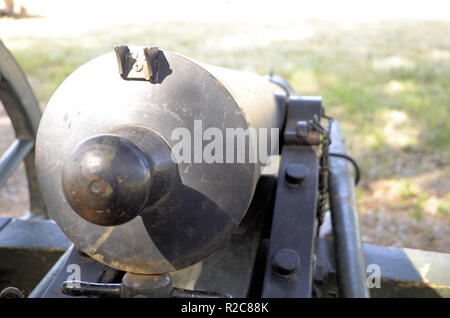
pixel 388 82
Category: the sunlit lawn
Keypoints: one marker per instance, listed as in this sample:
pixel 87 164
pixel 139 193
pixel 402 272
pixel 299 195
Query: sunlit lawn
pixel 388 83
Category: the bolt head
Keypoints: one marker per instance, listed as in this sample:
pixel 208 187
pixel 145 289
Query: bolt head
pixel 285 261
pixel 11 292
pixel 296 173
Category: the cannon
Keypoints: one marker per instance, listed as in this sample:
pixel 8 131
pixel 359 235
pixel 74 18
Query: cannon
pixel 112 170
pixel 174 178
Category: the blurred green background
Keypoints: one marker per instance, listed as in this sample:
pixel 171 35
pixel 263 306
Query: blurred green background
pixel 384 72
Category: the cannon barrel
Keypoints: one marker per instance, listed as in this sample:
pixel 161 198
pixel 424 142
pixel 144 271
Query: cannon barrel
pixel 124 150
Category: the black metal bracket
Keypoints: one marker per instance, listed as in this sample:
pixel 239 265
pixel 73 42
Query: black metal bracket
pixel 289 267
pixel 302 112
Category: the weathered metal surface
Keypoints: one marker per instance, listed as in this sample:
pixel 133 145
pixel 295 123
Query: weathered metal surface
pixel 140 63
pixel 234 268
pixel 154 286
pixel 28 249
pixel 88 269
pixel 205 201
pixel 87 289
pixel 410 272
pixel 230 270
pixel 288 270
pixel 25 117
pixel 114 189
pixel 349 255
pixel 301 112
pixel 4 221
pixel 293 226
pixel 13 157
pixel 403 272
pixel 135 286
pixel 23 109
pixel 19 233
pixel 48 279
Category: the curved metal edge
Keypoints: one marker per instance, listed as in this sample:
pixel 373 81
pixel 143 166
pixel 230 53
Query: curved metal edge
pixel 349 254
pixel 12 158
pixel 280 81
pixel 15 77
pixel 23 108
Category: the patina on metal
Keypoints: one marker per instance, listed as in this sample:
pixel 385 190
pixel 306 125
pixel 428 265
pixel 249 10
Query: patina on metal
pixel 149 215
pixel 113 188
pixel 233 269
pixel 106 180
pixel 28 250
pixel 289 264
pixel 350 263
pixel 139 63
pixel 136 286
pixel 403 272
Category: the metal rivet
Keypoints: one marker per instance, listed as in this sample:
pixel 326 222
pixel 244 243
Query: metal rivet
pixel 285 261
pixel 296 173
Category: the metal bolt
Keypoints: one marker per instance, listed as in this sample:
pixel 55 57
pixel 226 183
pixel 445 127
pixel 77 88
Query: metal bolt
pixel 296 173
pixel 285 261
pixel 138 66
pixel 11 292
